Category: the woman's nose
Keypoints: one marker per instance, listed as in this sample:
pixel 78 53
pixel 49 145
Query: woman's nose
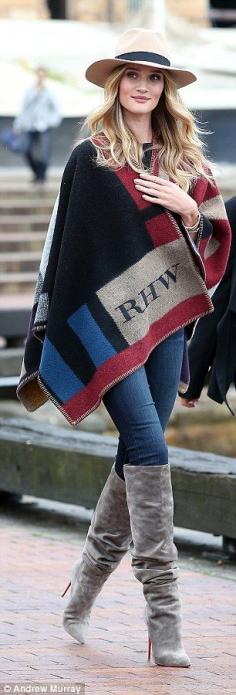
pixel 142 88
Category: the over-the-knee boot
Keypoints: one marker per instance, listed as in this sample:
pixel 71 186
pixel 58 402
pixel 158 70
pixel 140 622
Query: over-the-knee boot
pixel 154 556
pixel 107 541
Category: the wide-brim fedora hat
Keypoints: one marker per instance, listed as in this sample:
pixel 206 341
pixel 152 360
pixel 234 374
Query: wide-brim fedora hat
pixel 142 47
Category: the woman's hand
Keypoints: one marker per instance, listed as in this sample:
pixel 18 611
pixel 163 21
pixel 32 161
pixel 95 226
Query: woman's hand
pixel 169 194
pixel 189 404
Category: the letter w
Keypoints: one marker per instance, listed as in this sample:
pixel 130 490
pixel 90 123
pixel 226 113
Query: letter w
pixel 169 275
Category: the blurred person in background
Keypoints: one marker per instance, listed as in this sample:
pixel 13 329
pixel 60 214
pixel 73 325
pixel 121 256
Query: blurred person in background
pixel 39 114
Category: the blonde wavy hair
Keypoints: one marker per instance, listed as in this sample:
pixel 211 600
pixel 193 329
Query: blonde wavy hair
pixel 180 150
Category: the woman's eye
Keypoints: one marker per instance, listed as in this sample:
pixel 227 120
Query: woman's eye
pixel 155 76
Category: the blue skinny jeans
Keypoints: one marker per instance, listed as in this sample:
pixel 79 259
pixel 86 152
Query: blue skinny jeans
pixel 140 405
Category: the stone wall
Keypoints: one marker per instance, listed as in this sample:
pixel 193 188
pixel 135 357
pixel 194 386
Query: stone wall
pixel 82 10
pixel 100 10
pixel 194 10
pixel 23 9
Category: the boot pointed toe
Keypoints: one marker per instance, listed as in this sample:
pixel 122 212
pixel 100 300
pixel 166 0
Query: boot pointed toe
pixel 76 628
pixel 178 658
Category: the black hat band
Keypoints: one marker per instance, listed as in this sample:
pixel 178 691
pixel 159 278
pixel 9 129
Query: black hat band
pixel 145 55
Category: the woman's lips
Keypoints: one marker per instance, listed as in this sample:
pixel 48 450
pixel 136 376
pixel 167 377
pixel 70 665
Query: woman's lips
pixel 140 98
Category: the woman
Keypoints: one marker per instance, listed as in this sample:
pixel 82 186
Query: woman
pixel 138 235
pixel 212 355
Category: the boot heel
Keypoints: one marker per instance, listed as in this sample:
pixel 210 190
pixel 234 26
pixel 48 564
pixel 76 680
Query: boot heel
pixel 66 589
pixel 149 649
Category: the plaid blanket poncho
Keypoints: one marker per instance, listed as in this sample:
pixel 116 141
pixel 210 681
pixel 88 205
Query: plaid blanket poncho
pixel 117 276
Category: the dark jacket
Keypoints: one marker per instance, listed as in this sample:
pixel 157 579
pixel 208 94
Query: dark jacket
pixel 213 345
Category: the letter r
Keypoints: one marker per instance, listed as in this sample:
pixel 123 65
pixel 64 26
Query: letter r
pixel 125 310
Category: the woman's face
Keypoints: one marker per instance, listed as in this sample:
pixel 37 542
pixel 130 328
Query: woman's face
pixel 140 89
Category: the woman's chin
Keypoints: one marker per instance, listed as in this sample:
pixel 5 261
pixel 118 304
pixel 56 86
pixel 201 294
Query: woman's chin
pixel 138 109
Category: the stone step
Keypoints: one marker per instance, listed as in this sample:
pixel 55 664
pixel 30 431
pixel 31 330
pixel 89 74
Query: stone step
pixel 19 261
pixel 25 206
pixel 22 301
pixel 8 386
pixel 13 190
pixel 21 241
pixel 10 361
pixel 22 174
pixel 26 223
pixel 14 319
pixel 16 283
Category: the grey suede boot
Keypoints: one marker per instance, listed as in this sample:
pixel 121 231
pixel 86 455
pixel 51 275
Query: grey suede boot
pixel 107 541
pixel 154 556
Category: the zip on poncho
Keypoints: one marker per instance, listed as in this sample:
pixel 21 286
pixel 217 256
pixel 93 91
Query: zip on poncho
pixel 117 276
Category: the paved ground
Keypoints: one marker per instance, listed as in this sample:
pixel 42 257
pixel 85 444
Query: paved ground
pixel 39 548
